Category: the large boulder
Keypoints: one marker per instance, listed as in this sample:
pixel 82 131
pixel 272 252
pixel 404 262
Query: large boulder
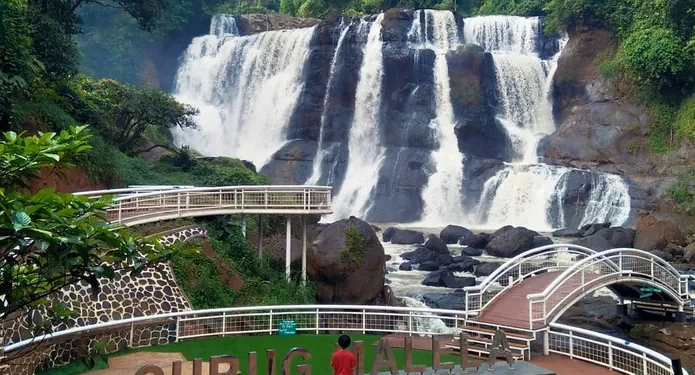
pixel 451 301
pixel 346 262
pixel 421 255
pixel 407 237
pixel 436 244
pixel 452 233
pixel 508 242
pixel 257 23
pixel 463 265
pixel 608 238
pixel 472 252
pixel 654 234
pixel 590 229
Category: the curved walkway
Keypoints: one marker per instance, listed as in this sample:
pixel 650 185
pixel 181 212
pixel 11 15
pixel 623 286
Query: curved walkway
pixel 140 205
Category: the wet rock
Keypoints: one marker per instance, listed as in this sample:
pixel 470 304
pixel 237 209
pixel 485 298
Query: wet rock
pixel 407 237
pixel 541 241
pixel 446 278
pixel 386 236
pixel 471 252
pixel 466 265
pixel 618 236
pixel 445 259
pixel 452 233
pixel 509 241
pixel 420 255
pixel 476 241
pixel 390 269
pixel 590 229
pixel 257 23
pixel 568 233
pixel 486 269
pixel 436 244
pixel 405 267
pixel 447 301
pixel 428 266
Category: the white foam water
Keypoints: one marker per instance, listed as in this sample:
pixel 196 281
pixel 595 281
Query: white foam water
pixel 442 194
pixel 246 88
pixel 321 153
pixel 365 152
pixel 223 24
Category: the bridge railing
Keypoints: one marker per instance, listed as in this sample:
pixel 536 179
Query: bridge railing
pixel 175 203
pixel 601 269
pixel 542 259
pixel 608 351
pixel 131 190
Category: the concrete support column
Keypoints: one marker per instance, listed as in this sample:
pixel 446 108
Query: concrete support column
pixel 680 315
pixel 260 236
pixel 621 309
pixel 243 225
pixel 546 343
pixel 288 247
pixel 304 249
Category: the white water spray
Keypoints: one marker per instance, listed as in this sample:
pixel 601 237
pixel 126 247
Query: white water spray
pixel 366 154
pixel 246 89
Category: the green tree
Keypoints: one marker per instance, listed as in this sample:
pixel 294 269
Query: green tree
pixel 50 240
pixel 127 112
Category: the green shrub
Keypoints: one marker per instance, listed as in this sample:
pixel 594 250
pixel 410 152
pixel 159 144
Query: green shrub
pixel 355 243
pixel 655 56
pixel 685 119
pixel 198 276
pixel 683 190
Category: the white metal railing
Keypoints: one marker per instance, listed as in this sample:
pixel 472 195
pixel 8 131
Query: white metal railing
pixel 266 319
pixel 602 269
pixel 574 342
pixel 543 259
pixel 608 351
pixel 131 190
pixel 137 206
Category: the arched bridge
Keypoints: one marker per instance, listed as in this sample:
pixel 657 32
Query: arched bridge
pixel 146 204
pixel 534 289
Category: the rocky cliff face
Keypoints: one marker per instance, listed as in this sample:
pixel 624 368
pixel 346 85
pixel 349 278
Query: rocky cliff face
pixel 599 128
pixel 407 108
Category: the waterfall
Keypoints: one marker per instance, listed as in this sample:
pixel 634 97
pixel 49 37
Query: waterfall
pixel 246 88
pixel 607 200
pixel 321 153
pixel 365 152
pixel 442 194
pixel 503 33
pixel 525 192
pixel 223 24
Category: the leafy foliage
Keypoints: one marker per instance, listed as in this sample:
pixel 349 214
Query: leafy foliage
pixel 50 240
pixel 655 57
pixel 356 247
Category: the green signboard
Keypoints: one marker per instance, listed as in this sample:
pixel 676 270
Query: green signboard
pixel 648 291
pixel 287 328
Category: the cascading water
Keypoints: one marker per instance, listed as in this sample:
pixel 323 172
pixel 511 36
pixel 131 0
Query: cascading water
pixel 366 154
pixel 321 153
pixel 525 192
pixel 442 194
pixel 223 24
pixel 246 88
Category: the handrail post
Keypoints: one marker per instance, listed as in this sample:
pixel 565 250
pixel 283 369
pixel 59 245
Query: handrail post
pixel 571 345
pixel 178 326
pixel 317 321
pixel 270 324
pixel 224 323
pixel 132 333
pixel 652 268
pixel 178 204
pixel 610 355
pixel 644 363
pixel 530 314
pixel 364 321
pixel 410 322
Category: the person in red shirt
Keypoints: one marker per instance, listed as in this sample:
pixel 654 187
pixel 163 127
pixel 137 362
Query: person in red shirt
pixel 343 361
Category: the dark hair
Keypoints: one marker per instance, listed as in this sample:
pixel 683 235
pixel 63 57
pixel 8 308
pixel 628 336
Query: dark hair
pixel 344 341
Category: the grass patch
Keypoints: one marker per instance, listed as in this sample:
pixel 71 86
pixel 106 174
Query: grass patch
pixel 320 347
